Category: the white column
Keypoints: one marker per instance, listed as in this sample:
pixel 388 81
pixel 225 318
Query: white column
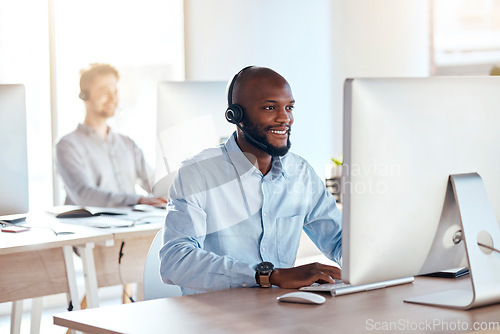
pixel 383 38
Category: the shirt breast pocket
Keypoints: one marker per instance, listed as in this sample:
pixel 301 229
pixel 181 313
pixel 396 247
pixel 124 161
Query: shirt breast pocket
pixel 288 234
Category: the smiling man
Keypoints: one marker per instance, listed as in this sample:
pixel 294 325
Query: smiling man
pixel 237 211
pixel 100 167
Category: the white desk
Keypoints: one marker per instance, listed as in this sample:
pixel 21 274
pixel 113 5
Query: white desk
pixel 100 262
pixel 37 263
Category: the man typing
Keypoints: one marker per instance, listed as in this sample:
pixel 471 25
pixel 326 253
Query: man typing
pixel 237 211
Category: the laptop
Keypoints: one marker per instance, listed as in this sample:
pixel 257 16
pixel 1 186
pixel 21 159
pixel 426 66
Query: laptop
pixel 340 288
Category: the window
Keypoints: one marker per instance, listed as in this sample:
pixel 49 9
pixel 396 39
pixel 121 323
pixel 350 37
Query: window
pixel 466 36
pixel 143 40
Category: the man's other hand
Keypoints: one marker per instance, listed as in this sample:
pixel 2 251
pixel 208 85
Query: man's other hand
pixel 297 277
pixel 152 200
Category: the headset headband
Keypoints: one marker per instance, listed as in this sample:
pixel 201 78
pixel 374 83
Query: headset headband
pixel 231 86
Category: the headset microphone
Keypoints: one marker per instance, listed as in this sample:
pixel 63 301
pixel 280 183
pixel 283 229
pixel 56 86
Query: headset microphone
pixel 252 139
pixel 234 113
pixel 231 119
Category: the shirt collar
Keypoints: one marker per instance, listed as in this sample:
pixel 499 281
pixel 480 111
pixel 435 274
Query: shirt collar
pixel 243 165
pixel 277 167
pixel 90 130
pixel 236 156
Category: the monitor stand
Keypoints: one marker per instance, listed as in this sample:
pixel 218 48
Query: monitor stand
pixel 479 226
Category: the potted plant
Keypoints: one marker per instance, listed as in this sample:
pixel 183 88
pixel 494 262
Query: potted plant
pixel 333 178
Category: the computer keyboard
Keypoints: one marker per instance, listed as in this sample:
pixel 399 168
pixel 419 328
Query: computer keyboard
pixel 329 286
pixel 340 288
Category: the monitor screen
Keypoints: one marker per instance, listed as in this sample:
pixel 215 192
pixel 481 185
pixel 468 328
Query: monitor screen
pixel 190 119
pixel 13 146
pixel 403 137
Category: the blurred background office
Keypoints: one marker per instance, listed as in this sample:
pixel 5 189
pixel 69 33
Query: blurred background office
pixel 43 44
pixel 314 44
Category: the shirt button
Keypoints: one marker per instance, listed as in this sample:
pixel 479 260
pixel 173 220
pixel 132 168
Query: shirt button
pixel 264 214
pixel 263 249
pixel 244 285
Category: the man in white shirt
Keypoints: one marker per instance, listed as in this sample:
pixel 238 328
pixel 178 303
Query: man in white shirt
pixel 98 166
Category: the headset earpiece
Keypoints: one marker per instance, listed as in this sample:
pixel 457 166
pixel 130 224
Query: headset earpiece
pixel 234 114
pixel 83 95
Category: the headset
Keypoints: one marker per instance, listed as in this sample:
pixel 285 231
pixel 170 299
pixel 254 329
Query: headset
pixel 235 113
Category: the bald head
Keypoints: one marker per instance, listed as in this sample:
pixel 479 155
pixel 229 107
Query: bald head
pixel 254 82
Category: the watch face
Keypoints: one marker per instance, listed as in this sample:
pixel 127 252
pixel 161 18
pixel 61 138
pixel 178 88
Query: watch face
pixel 265 267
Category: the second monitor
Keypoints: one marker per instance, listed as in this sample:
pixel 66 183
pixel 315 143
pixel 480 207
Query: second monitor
pixel 14 156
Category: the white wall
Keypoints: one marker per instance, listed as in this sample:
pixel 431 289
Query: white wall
pixel 292 37
pixel 383 38
pixel 315 45
pixel 144 42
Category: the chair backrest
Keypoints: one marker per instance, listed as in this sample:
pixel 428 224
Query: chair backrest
pixel 154 287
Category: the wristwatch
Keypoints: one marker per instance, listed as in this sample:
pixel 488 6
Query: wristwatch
pixel 263 274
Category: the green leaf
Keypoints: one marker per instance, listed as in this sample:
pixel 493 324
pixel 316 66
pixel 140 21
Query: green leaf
pixel 337 161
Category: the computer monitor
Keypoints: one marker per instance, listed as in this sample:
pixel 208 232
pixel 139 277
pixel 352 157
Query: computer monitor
pixel 403 138
pixel 13 158
pixel 190 119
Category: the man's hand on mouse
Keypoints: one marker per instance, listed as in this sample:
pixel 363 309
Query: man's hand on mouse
pixel 297 277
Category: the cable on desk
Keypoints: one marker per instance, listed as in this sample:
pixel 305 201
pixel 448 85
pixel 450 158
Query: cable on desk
pixel 120 255
pixel 488 247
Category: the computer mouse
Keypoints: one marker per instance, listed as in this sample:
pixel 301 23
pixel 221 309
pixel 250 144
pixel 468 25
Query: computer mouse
pixel 302 297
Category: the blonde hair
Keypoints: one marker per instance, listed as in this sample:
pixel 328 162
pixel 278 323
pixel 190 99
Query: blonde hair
pixel 94 70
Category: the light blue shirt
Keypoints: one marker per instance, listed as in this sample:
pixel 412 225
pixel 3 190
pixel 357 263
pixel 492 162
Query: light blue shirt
pixel 224 217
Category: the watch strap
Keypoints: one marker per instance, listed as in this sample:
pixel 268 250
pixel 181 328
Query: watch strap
pixel 265 280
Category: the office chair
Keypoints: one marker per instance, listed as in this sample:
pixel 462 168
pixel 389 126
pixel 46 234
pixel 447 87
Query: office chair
pixel 154 287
